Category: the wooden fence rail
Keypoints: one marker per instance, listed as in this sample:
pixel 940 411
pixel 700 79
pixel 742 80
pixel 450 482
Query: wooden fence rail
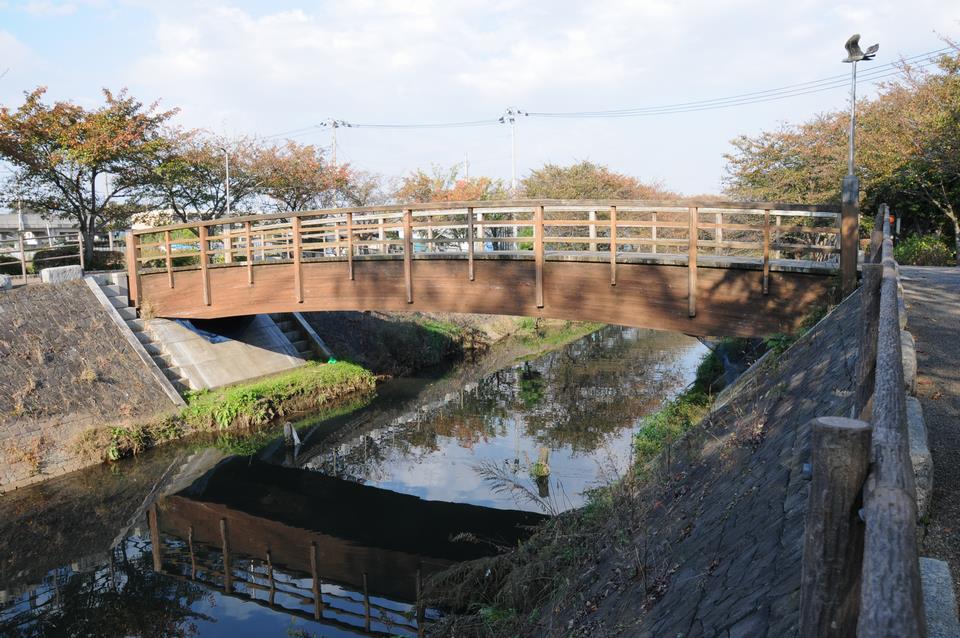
pixel 608 231
pixel 864 577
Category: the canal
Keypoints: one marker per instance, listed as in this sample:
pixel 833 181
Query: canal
pixel 334 537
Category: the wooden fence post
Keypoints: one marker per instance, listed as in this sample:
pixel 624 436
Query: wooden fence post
pixel 766 251
pixel 350 244
pixel 248 239
pixel 225 544
pixel 833 533
pixel 80 249
pixel 169 257
pixel 155 547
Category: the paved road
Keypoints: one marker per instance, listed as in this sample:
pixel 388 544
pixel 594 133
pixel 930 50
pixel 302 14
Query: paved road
pixel 933 316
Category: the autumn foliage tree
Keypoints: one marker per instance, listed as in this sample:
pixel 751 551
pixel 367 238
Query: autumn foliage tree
pixel 446 185
pixel 297 177
pixel 78 163
pixel 908 154
pixel 586 180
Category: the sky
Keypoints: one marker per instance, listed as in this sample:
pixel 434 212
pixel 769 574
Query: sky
pixel 241 67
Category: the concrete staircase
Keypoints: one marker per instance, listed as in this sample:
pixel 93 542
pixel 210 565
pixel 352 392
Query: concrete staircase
pixel 295 334
pixel 114 287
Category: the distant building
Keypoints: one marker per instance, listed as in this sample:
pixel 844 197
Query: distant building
pixel 34 225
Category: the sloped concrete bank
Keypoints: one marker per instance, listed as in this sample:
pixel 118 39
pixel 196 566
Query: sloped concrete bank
pixel 705 541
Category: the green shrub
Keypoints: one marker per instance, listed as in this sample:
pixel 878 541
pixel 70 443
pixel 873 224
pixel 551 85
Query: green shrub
pixel 54 257
pixel 9 266
pixel 923 250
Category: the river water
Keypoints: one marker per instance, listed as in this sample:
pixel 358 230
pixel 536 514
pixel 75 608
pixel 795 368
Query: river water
pixel 334 536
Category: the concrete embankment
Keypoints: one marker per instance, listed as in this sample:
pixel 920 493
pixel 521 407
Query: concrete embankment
pixel 705 541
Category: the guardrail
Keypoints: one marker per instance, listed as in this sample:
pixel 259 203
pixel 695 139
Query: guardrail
pixel 613 231
pixel 861 573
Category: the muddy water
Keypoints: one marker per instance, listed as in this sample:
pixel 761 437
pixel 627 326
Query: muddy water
pixel 333 537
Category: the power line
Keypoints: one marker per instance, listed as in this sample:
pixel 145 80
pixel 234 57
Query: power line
pixel 877 73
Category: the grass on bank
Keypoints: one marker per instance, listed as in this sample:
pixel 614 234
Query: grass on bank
pixel 245 405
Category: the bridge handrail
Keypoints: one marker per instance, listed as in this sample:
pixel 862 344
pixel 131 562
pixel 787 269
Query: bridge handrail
pixel 526 204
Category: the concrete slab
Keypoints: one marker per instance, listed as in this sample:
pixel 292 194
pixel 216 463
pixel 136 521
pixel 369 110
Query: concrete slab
pixel 61 274
pixel 939 600
pixel 920 455
pixel 260 349
pixel 6 283
pixel 908 349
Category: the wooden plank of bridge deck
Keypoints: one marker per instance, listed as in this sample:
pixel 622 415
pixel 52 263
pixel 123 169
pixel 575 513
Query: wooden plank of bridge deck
pixel 646 295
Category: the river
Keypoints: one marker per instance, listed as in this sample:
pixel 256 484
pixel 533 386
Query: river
pixel 334 536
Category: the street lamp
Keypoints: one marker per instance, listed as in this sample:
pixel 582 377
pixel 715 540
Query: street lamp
pixel 850 190
pixel 854 55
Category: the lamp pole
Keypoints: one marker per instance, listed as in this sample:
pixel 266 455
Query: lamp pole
pixel 850 190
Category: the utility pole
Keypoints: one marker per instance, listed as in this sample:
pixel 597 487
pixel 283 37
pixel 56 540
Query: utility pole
pixel 510 117
pixel 466 165
pixel 333 125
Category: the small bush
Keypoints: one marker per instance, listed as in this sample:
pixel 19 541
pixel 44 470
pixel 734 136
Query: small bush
pixel 9 266
pixel 54 257
pixel 923 250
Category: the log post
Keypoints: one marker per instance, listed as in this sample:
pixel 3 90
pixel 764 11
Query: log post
pixel 316 585
pixel 833 536
pixel 849 233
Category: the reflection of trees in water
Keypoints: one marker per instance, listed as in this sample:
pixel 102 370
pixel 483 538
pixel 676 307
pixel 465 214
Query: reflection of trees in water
pixel 124 597
pixel 574 397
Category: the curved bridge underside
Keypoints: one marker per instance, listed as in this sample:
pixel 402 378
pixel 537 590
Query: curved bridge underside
pixel 653 293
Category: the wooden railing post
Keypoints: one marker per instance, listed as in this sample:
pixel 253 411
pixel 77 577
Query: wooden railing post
pixel 227 244
pixel 692 262
pixel 225 544
pixel 592 230
pixel 297 256
pixel 613 245
pixel 653 232
pixel 718 237
pixel 350 244
pixel 408 253
pixel 316 586
pixel 833 532
pixel 204 272
pixel 155 547
pixel 248 239
pixel 538 252
pixel 169 257
pixel 133 269
pixel 766 251
pixel 470 272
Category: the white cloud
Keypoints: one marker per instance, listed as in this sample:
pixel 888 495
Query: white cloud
pixel 48 8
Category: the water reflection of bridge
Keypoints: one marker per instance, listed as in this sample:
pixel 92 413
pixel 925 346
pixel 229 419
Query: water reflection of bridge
pixel 308 545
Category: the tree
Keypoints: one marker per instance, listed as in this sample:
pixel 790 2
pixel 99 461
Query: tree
pixel 78 163
pixel 296 177
pixel 908 153
pixel 446 185
pixel 363 188
pixel 188 175
pixel 586 180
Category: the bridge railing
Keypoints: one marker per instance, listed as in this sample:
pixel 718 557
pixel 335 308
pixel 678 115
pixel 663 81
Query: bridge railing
pixel 613 231
pixel 861 572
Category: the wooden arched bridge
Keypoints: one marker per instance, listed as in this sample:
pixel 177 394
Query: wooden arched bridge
pixel 699 268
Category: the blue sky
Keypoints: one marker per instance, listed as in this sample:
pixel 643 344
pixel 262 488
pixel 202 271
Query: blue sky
pixel 262 68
